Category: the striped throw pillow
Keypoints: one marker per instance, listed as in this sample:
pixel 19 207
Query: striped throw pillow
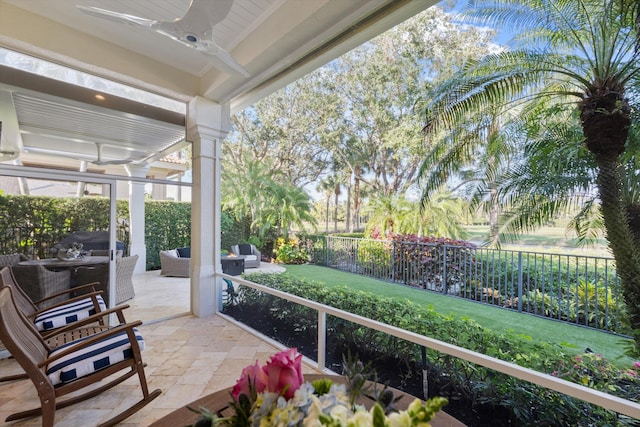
pixel 90 359
pixel 68 313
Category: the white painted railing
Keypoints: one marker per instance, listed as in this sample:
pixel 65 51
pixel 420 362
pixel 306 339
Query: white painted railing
pixel 586 394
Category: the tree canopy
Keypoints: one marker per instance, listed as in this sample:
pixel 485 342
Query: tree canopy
pixel 580 57
pixel 354 120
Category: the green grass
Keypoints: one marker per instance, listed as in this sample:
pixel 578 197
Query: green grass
pixel 573 338
pixel 544 239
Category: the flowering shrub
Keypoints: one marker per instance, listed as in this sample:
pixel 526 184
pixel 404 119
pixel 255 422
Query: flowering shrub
pixel 594 371
pixel 277 395
pixel 431 262
pixel 290 252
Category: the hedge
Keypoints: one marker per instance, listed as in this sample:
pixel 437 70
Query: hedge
pixel 31 225
pixel 511 401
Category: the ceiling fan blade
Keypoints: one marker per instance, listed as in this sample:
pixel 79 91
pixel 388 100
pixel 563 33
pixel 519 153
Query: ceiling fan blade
pixel 112 162
pixel 122 18
pixel 226 61
pixel 194 29
pixel 202 15
pixel 99 161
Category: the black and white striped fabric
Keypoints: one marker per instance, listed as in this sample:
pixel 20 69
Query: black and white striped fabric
pixel 68 313
pixel 90 359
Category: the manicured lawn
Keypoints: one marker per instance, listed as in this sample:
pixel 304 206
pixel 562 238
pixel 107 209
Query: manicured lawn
pixel 545 239
pixel 574 338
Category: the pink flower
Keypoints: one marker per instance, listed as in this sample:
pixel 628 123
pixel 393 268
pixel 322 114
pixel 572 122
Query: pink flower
pixel 284 372
pixel 254 375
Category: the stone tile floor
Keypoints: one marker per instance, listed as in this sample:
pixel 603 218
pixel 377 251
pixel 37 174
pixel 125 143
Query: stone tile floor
pixel 187 357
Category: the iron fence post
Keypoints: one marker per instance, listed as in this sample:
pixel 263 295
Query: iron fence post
pixel 444 269
pixel 519 281
pixel 326 250
pixel 393 261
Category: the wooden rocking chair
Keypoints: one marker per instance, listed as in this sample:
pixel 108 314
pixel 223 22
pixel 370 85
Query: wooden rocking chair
pixel 66 313
pixel 58 372
pixel 59 314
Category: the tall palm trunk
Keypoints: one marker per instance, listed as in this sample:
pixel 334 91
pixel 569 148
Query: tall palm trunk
pixel 606 119
pixel 348 223
pixel 336 193
pixel 356 199
pixel 326 230
pixel 620 238
pixel 494 215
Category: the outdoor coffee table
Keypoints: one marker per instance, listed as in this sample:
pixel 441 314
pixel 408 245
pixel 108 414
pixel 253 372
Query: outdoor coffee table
pixel 232 265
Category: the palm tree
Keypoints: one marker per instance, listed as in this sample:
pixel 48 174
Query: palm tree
pixel 585 50
pixel 440 217
pixel 554 175
pixel 326 186
pixel 477 153
pixel 290 205
pixel 332 185
pixel 386 213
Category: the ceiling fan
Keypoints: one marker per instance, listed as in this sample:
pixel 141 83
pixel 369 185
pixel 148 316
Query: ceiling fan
pixel 99 161
pixel 192 30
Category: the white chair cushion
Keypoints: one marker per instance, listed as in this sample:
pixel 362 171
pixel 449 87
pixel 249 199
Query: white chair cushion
pixel 68 313
pixel 91 359
pixel 250 257
pixel 171 253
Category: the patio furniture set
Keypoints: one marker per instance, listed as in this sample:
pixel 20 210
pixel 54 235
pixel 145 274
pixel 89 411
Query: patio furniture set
pixel 45 277
pixel 177 262
pixel 58 331
pixel 67 348
pixel 41 278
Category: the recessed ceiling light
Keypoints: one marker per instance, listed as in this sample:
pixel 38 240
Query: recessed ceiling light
pixel 100 97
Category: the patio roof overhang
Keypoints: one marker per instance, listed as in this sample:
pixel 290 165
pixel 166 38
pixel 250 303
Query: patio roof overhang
pixel 276 41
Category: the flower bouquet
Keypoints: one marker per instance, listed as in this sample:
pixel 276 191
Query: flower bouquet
pixel 276 394
pixel 72 251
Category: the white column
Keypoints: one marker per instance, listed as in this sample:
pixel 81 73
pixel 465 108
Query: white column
pixel 136 216
pixel 207 125
pixel 82 186
pixel 159 191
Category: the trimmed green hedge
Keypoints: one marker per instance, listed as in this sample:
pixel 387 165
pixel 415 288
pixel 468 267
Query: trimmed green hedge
pixel 31 225
pixel 522 402
pixel 167 226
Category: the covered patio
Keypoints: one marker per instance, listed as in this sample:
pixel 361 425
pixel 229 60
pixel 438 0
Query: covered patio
pixel 186 357
pixel 274 42
pixel 269 44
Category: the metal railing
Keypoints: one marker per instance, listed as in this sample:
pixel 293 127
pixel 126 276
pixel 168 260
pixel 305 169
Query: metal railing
pixel 583 290
pixel 604 400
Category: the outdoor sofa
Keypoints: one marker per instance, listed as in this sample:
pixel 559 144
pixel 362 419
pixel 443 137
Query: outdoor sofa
pixel 250 253
pixel 175 262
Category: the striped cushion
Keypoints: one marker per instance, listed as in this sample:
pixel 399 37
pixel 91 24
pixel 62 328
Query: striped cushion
pixel 87 360
pixel 68 313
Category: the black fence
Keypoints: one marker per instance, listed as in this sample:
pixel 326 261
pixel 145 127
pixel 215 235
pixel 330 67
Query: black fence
pixel 583 290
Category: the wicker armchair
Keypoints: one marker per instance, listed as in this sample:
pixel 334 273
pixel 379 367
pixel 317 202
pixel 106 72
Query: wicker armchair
pixel 173 265
pixel 100 273
pixel 39 283
pixel 11 259
pixel 124 273
pixel 251 254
